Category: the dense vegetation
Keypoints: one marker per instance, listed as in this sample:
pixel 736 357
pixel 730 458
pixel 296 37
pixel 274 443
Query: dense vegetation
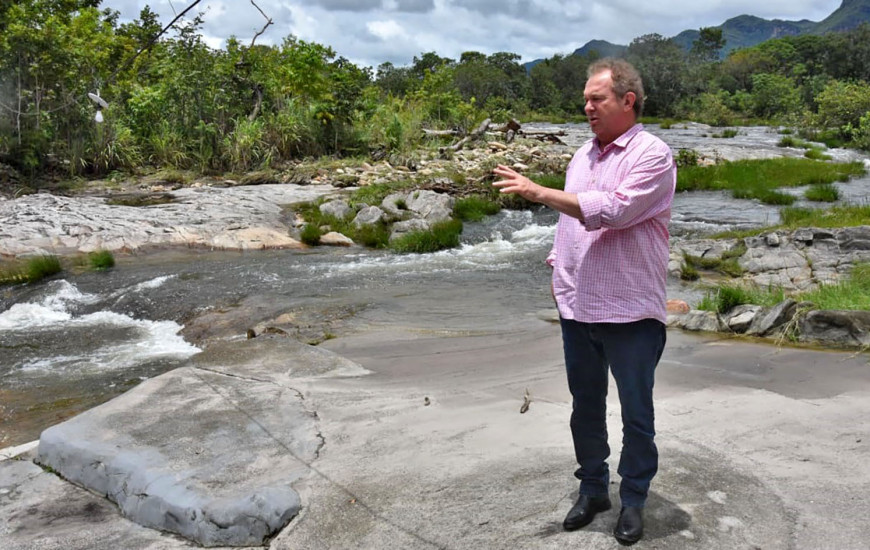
pixel 174 102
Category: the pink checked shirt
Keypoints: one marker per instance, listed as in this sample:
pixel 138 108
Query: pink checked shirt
pixel 612 267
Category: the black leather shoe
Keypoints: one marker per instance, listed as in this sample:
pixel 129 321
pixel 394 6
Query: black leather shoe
pixel 629 526
pixel 583 512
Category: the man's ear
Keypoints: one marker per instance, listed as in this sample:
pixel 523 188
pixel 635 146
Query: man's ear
pixel 628 101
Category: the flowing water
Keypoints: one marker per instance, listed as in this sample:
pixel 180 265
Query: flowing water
pixel 69 344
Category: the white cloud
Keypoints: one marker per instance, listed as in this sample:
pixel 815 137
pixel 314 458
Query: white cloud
pixel 369 32
pixel 386 30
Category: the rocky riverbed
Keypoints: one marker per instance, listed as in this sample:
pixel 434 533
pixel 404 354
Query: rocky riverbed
pixel 252 214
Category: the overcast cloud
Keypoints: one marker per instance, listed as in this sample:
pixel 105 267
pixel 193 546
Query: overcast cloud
pixel 370 32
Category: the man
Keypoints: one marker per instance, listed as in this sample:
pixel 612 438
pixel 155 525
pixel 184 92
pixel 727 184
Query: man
pixel 609 261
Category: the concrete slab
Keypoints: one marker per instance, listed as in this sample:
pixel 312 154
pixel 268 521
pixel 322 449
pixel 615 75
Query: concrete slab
pixel 209 451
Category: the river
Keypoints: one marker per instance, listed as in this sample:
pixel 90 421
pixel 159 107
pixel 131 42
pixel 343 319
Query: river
pixel 71 343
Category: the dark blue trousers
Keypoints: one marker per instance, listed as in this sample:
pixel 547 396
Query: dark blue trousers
pixel 631 351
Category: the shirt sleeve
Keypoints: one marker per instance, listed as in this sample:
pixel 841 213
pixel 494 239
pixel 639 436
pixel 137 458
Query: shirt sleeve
pixel 643 194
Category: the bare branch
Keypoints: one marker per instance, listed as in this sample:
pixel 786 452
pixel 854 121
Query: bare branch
pixel 266 26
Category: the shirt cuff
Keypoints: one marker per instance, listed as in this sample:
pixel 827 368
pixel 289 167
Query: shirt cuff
pixel 591 203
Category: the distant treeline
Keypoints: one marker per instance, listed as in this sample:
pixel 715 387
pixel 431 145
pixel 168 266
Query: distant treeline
pixel 181 104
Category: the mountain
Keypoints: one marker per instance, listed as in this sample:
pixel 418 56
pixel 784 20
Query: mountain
pixel 849 15
pixel 603 47
pixel 747 30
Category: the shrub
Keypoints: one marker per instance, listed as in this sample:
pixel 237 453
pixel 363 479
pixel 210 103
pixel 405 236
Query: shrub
pixel 687 157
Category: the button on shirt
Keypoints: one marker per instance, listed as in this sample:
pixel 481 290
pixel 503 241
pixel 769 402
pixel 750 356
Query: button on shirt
pixel 612 266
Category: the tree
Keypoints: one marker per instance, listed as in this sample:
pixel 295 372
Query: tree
pixel 661 63
pixel 774 95
pixel 707 46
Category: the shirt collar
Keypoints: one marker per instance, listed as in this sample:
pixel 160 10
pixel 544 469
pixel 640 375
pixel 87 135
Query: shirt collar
pixel 622 141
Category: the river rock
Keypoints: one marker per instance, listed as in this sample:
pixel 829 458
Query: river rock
pixel 740 318
pixel 368 216
pixel 395 205
pixel 840 328
pixel 697 320
pixel 432 206
pixel 766 322
pixel 855 238
pixel 401 229
pixel 334 238
pixel 338 208
pixel 677 307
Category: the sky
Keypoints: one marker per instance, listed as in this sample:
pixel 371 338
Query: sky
pixel 370 32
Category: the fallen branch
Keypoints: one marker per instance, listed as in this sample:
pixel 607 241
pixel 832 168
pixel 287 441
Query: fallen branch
pixel 473 136
pixel 552 137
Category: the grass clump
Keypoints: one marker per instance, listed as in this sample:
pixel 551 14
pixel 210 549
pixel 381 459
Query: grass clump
pixel 373 195
pixel 851 294
pixel 759 178
pixel 723 298
pixel 32 270
pixel 310 234
pixel 552 181
pixel 373 236
pixel 726 265
pixel 101 260
pixel 475 208
pixel 824 192
pixel 440 236
pixel 837 216
pixel 728 133
pixel 815 153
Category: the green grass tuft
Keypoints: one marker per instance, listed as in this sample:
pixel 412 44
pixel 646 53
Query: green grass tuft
pixel 815 153
pixel 824 192
pixel 101 260
pixel 442 235
pixel 475 208
pixel 32 270
pixel 310 234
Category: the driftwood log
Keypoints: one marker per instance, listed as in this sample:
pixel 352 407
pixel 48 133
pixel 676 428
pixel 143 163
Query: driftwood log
pixel 510 129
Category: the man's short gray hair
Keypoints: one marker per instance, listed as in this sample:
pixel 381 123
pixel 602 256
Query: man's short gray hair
pixel 625 79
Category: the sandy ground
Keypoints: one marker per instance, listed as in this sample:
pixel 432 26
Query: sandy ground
pixel 761 447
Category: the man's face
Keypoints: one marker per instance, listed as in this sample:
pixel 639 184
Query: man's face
pixel 609 116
